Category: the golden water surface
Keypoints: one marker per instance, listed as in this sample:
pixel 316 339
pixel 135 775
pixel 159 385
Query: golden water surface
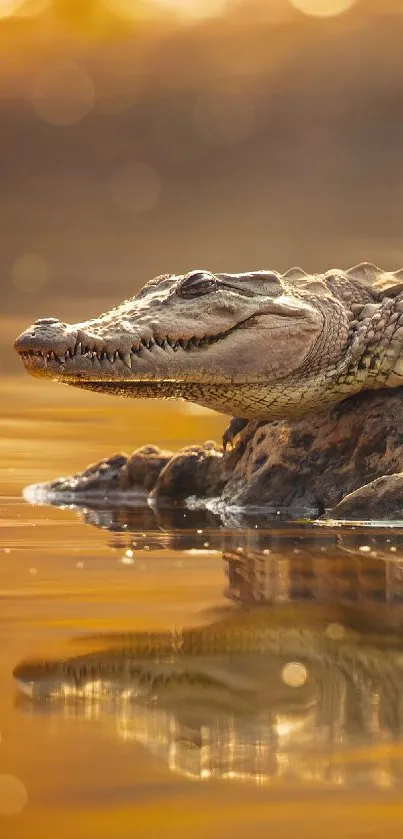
pixel 289 742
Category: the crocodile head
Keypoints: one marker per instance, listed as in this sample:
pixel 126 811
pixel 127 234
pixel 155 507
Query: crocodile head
pixel 210 338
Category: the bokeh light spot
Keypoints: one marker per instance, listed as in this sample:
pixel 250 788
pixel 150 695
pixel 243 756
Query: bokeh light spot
pixel 335 631
pixel 294 674
pixel 135 187
pixel 323 8
pixel 63 94
pixel 127 558
pixel 225 117
pixel 13 795
pixel 382 777
pixel 30 272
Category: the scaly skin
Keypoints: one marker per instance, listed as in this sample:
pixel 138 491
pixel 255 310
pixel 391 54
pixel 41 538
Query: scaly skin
pixel 258 345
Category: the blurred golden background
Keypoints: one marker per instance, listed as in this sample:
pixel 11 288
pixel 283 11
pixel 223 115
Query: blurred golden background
pixel 145 136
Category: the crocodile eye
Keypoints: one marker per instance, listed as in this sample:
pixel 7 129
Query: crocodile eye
pixel 196 284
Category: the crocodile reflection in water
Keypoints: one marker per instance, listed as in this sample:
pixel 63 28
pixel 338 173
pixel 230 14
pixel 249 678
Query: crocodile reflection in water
pixel 297 689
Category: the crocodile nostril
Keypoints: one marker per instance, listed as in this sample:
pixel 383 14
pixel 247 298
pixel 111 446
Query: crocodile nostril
pixel 46 321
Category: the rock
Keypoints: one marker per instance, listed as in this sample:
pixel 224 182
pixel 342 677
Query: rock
pixel 195 470
pixel 309 464
pixel 347 460
pixel 143 467
pixel 108 478
pixel 97 479
pixel 380 499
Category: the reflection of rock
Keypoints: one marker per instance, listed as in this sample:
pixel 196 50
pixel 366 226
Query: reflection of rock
pixel 302 467
pixel 326 564
pixel 317 570
pixel 272 693
pixel 133 519
pixel 287 562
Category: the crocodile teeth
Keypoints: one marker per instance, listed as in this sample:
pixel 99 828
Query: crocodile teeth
pixel 127 357
pixel 127 360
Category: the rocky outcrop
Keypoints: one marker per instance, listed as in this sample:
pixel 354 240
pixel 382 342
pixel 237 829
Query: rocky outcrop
pixel 345 462
pixel 149 472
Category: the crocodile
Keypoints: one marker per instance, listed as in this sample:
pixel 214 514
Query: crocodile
pixel 262 346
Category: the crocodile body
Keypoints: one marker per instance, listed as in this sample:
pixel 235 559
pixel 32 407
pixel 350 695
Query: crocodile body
pixel 258 345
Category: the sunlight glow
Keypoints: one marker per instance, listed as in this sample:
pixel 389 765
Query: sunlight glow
pixel 9 7
pixel 31 8
pixel 323 8
pixel 193 8
pixel 129 9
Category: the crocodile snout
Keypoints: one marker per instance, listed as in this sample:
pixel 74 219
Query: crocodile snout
pixel 45 335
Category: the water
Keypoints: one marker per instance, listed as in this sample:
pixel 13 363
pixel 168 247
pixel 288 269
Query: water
pixel 172 676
